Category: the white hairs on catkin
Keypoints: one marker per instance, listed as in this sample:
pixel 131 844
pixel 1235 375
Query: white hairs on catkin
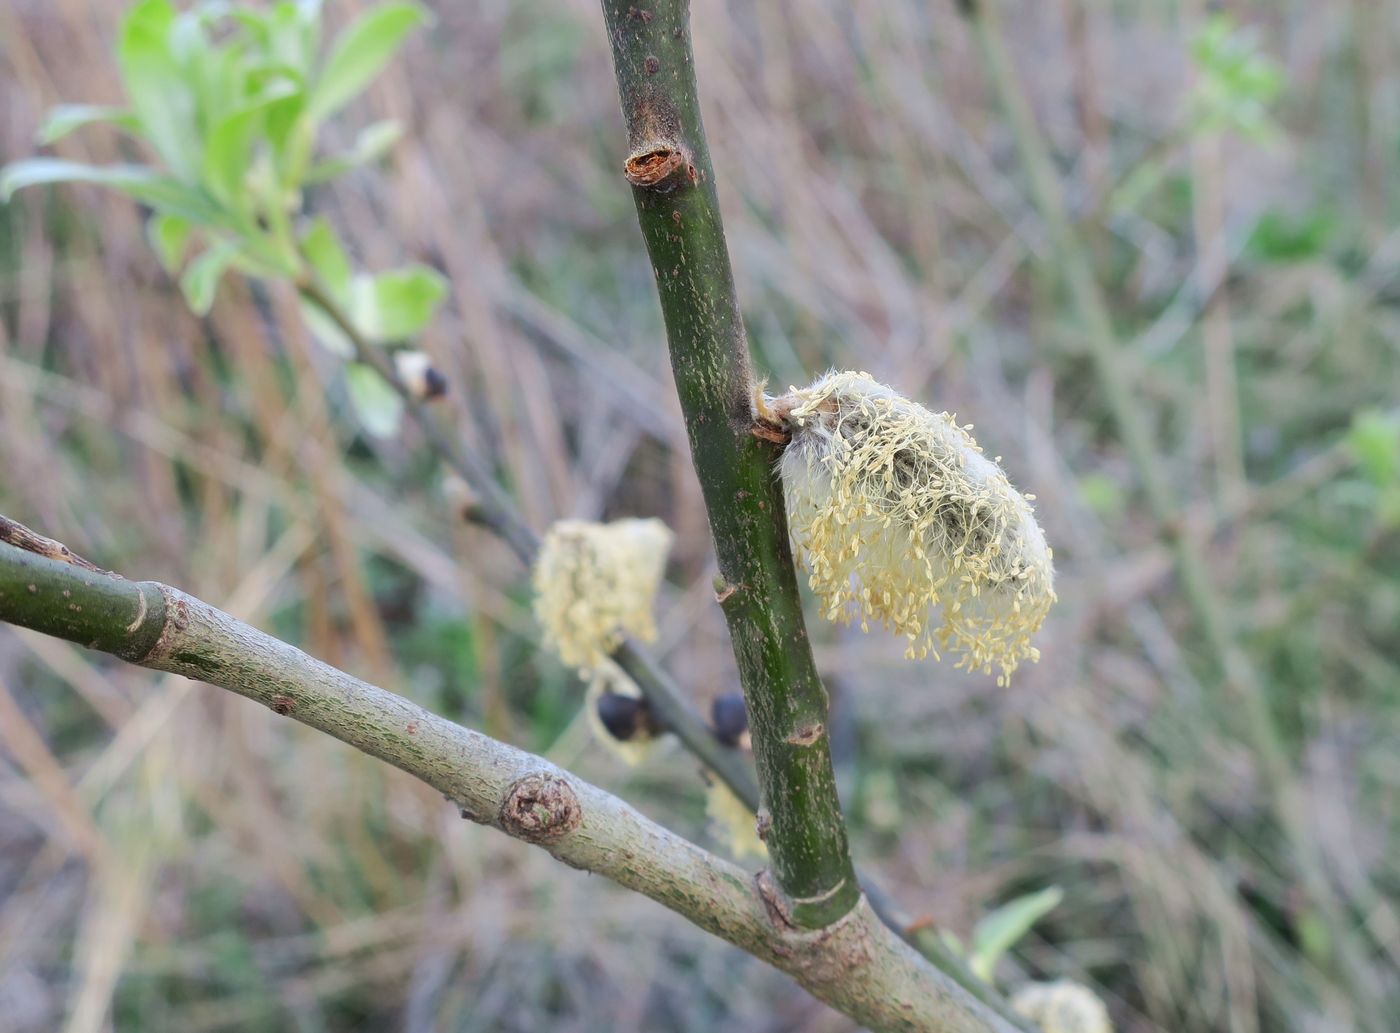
pixel 595 583
pixel 896 514
pixel 1062 1007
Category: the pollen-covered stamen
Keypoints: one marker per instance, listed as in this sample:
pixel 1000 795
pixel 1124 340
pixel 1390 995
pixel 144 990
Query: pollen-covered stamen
pixel 902 521
pixel 595 583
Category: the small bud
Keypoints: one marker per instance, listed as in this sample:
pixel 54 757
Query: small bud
pixel 595 583
pixel 1062 1007
pixel 901 520
pixel 730 717
pixel 459 495
pixel 418 374
pixel 618 715
pixel 624 717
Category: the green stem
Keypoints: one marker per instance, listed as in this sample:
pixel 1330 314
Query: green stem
pixel 669 168
pixel 1211 613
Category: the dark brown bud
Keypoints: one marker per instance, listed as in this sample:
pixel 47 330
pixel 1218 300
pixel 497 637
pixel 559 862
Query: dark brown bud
pixel 626 718
pixel 730 718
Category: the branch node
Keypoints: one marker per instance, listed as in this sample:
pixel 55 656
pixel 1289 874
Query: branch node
pixel 541 809
pixel 661 167
pixel 806 735
pixel 779 911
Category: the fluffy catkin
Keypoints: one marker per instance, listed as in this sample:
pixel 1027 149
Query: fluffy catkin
pixel 900 519
pixel 1062 1007
pixel 596 582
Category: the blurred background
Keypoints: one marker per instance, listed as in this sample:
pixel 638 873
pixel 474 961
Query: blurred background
pixel 174 858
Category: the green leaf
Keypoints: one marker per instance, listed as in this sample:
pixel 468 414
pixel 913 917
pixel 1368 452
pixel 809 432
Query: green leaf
pixel 228 150
pixel 169 235
pixel 360 52
pixel 201 279
pixel 999 931
pixel 65 118
pixel 144 184
pixel 376 403
pixel 1374 440
pixel 371 144
pixel 160 93
pixel 396 305
pixel 322 249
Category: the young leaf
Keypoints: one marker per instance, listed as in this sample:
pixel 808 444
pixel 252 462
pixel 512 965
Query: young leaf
pixel 322 249
pixel 65 118
pixel 998 932
pixel 361 52
pixel 144 184
pixel 396 305
pixel 371 144
pixel 201 279
pixel 228 150
pixel 157 86
pixel 376 403
pixel 168 234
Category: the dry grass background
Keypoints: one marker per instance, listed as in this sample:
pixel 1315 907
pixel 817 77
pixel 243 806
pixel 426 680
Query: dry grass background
pixel 184 861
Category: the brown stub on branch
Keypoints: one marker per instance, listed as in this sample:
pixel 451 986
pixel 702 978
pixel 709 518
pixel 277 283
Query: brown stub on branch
pixel 659 167
pixel 541 809
pixel 12 532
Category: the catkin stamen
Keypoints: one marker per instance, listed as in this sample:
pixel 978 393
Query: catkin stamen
pixel 901 521
pixel 595 583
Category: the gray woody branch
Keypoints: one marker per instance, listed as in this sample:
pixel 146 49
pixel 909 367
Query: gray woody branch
pixel 856 965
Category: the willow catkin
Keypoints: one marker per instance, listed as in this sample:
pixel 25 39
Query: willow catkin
pixel 595 583
pixel 1062 1007
pixel 901 520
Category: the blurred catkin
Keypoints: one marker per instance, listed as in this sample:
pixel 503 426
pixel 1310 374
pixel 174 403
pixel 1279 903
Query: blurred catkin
pixel 595 583
pixel 1062 1007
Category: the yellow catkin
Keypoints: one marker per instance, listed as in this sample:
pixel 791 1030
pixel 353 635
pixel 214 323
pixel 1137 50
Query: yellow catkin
pixel 901 520
pixel 731 821
pixel 1062 1007
pixel 596 582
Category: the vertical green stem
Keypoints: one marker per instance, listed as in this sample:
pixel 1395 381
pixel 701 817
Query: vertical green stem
pixel 669 168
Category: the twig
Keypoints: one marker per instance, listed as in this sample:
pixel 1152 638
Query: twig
pixel 856 966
